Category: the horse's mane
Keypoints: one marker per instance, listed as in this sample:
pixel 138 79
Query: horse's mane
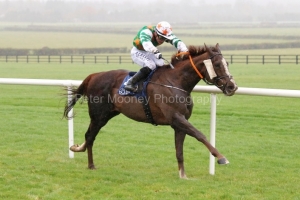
pixel 193 51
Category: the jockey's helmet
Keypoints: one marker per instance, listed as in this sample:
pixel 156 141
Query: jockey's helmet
pixel 164 29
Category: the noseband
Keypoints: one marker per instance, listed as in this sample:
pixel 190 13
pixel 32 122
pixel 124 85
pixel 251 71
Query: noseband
pixel 215 80
pixel 218 78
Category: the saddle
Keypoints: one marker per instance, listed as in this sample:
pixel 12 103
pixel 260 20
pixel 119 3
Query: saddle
pixel 141 94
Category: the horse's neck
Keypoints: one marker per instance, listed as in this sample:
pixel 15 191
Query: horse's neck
pixel 188 76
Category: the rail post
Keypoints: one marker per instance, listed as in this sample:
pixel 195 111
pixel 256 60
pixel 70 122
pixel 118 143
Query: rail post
pixel 213 110
pixel 70 123
pixel 279 59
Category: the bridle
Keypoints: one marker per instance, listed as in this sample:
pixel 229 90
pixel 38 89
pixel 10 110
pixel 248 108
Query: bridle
pixel 215 79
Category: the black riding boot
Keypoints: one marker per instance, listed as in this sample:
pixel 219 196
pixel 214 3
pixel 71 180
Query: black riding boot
pixel 142 74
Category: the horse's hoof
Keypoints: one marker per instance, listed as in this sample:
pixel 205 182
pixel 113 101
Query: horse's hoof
pixel 74 147
pixel 184 177
pixel 223 161
pixel 92 167
pixel 77 148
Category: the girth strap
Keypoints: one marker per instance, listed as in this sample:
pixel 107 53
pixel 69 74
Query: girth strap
pixel 147 110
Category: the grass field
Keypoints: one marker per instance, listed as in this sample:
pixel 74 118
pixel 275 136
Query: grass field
pixel 95 40
pixel 259 136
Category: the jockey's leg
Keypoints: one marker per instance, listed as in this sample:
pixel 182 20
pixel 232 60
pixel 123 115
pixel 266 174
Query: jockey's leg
pixel 140 75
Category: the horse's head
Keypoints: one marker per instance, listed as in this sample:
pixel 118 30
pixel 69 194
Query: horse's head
pixel 217 72
pixel 210 66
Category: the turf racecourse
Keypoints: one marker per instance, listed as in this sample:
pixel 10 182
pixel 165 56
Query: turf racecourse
pixel 259 136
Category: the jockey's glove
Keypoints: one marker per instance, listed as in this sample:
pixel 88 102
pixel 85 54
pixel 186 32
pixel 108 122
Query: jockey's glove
pixel 182 47
pixel 157 54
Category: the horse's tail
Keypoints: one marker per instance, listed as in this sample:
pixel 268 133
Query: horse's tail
pixel 76 93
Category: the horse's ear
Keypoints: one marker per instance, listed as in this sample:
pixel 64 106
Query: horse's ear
pixel 205 46
pixel 208 49
pixel 218 48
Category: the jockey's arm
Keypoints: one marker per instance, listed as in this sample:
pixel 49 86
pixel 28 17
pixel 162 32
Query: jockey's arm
pixel 177 43
pixel 146 36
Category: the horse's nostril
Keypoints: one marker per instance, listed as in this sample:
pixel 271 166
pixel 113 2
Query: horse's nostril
pixel 230 87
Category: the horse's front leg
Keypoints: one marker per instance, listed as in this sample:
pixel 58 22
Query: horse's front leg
pixel 179 140
pixel 179 122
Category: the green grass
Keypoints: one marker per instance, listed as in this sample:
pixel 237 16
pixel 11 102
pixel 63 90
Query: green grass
pixel 37 40
pixel 259 136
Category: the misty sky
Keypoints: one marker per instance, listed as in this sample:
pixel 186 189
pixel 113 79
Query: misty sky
pixel 262 2
pixel 179 11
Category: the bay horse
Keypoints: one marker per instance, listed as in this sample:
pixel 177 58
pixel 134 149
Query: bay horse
pixel 206 63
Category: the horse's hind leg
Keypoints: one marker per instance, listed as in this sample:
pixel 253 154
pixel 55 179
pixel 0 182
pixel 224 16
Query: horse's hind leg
pixel 97 122
pixel 94 128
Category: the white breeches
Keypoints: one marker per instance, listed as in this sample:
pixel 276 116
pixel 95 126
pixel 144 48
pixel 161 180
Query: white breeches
pixel 145 59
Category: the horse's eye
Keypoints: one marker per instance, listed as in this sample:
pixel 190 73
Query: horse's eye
pixel 217 65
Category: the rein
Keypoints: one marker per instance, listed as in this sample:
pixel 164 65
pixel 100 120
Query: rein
pixel 191 60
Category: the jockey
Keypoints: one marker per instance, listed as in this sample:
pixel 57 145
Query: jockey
pixel 145 53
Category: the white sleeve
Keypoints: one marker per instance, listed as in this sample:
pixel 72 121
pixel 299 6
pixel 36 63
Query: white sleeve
pixel 148 46
pixel 182 47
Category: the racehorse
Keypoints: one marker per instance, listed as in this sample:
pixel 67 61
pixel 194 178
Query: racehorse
pixel 175 80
